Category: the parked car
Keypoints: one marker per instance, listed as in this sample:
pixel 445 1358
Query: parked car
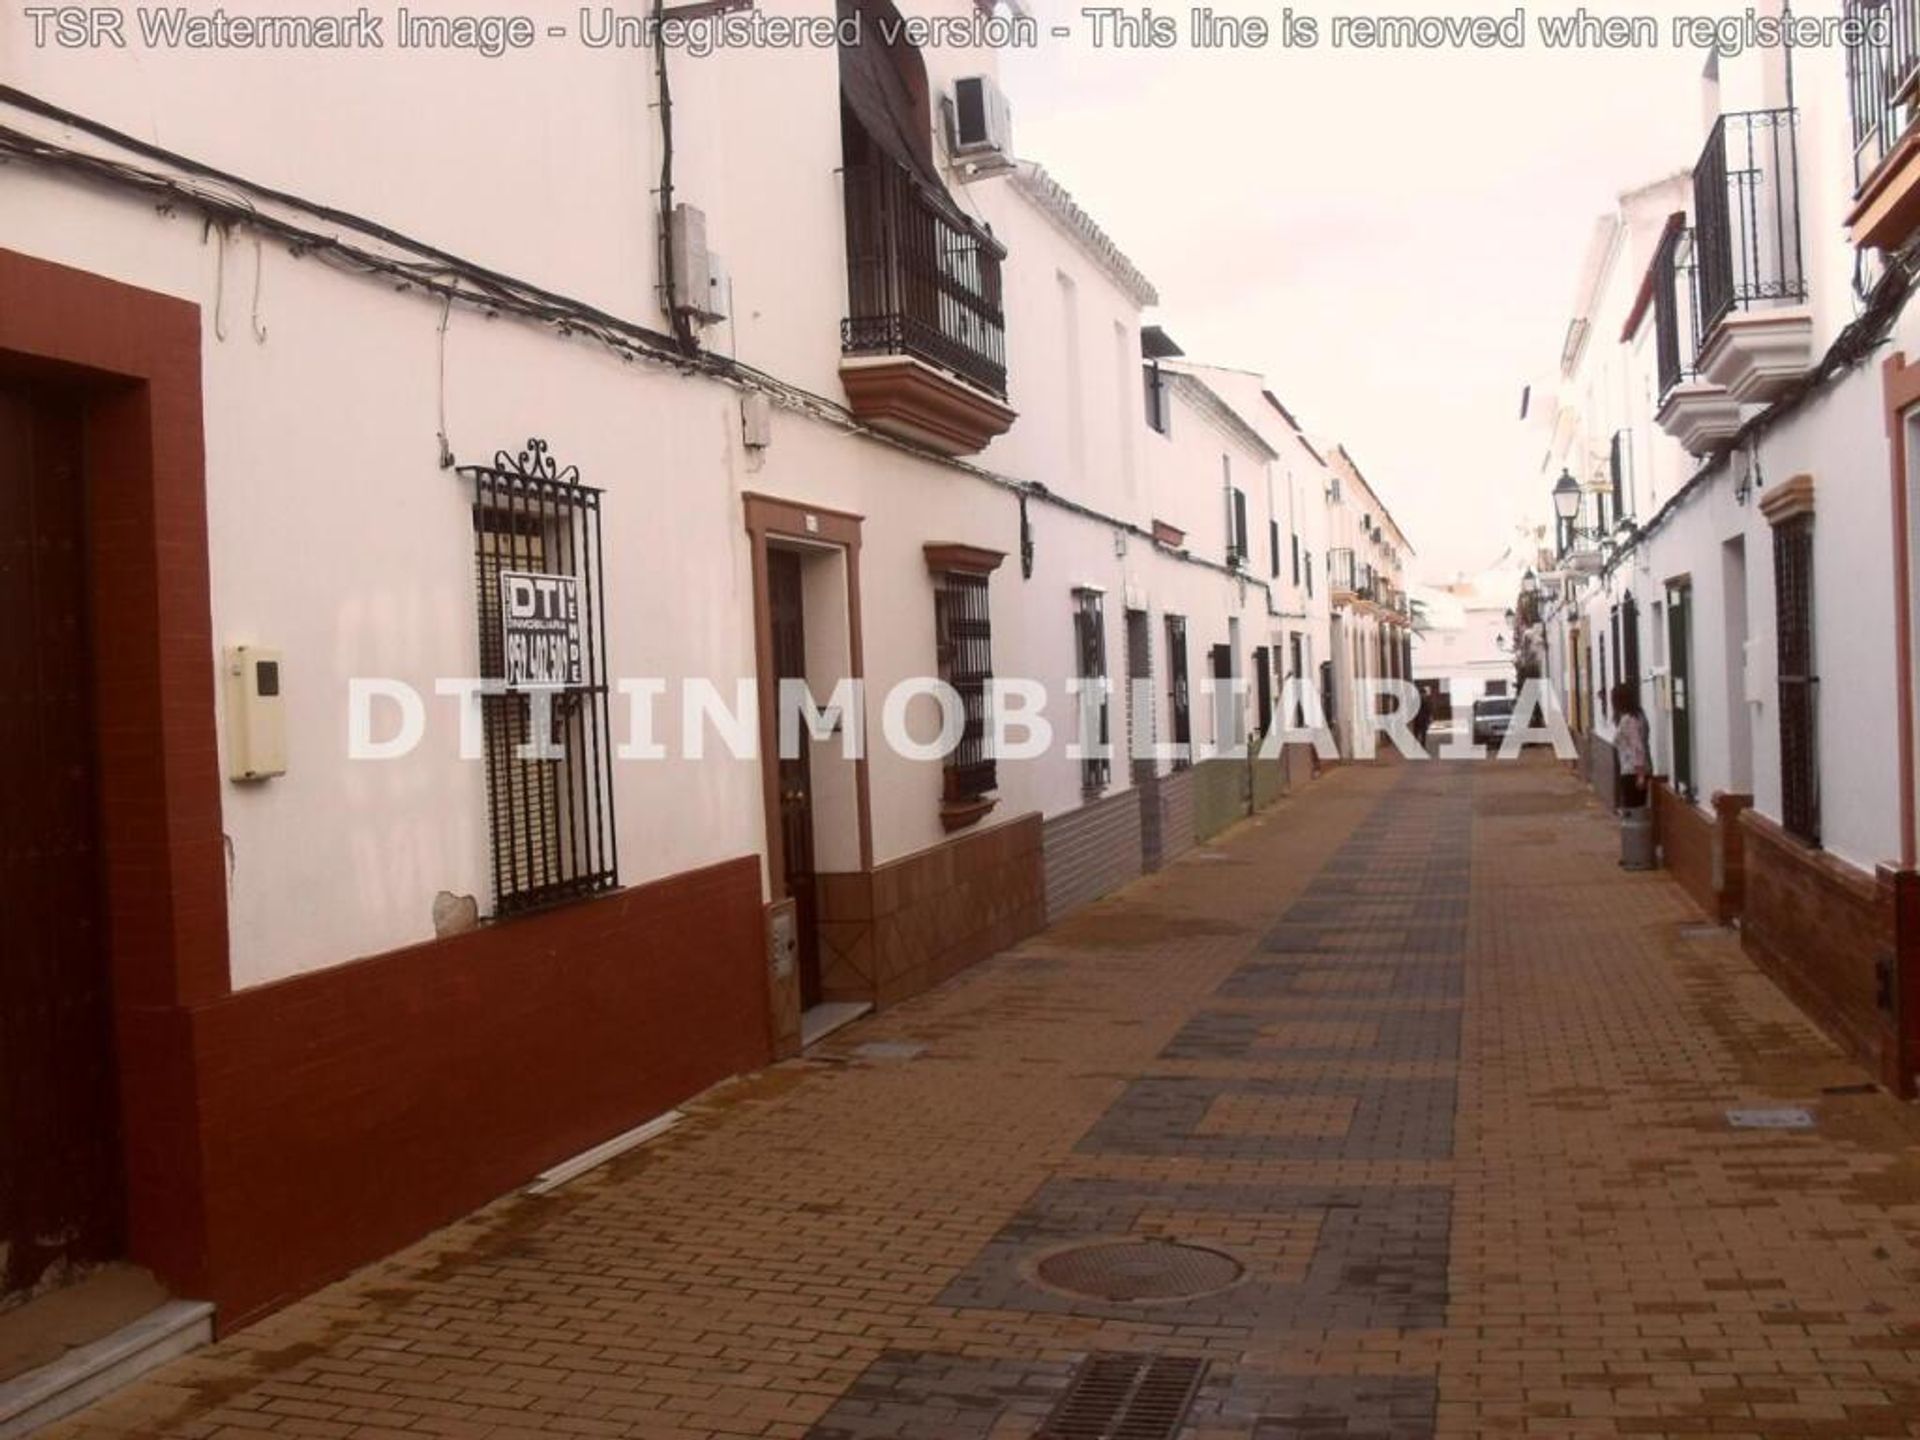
pixel 1492 714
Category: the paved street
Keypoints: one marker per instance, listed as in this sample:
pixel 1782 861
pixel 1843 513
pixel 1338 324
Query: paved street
pixel 1436 1095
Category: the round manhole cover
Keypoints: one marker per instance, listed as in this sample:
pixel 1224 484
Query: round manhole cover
pixel 1139 1270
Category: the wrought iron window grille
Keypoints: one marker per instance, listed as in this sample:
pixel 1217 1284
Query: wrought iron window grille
pixel 1179 692
pixel 1090 637
pixel 539 576
pixel 964 638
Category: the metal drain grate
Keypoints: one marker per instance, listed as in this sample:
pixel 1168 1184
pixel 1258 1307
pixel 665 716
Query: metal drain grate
pixel 889 1050
pixel 1121 1396
pixel 1139 1270
pixel 1789 1117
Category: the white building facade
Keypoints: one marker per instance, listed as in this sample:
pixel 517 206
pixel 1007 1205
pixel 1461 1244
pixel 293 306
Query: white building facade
pixel 1732 414
pixel 445 496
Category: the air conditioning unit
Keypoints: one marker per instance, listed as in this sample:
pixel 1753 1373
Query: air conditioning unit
pixel 980 126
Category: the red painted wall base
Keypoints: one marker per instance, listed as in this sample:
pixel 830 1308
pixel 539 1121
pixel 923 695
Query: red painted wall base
pixel 343 1114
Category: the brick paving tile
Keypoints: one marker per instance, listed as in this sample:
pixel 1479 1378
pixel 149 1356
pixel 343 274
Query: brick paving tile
pixel 1446 1084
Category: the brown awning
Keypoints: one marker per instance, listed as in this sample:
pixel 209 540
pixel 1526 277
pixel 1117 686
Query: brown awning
pixel 875 84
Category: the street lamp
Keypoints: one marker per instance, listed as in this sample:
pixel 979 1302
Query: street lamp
pixel 1566 496
pixel 1575 537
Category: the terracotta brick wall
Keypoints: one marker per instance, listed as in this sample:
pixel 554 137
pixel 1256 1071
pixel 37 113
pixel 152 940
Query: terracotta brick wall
pixel 1731 854
pixel 1685 837
pixel 1820 928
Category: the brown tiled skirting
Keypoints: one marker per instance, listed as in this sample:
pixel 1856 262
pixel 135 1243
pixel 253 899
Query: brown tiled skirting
pixel 891 932
pixel 344 1113
pixel 1177 835
pixel 1091 852
pixel 1222 790
pixel 1707 854
pixel 1823 930
pixel 1269 781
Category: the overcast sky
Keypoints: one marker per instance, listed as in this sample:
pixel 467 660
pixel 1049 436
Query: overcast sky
pixel 1393 239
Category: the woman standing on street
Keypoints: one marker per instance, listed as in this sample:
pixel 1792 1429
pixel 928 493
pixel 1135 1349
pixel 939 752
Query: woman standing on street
pixel 1630 746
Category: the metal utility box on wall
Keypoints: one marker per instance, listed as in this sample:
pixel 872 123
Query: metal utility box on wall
pixel 256 714
pixel 700 280
pixel 783 978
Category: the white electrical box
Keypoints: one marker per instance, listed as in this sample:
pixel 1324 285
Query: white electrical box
pixel 256 714
pixel 756 420
pixel 693 289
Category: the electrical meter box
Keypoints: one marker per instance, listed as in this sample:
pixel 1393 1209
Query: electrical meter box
pixel 256 714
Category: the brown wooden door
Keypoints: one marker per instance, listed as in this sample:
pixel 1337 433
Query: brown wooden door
pixel 796 778
pixel 60 1185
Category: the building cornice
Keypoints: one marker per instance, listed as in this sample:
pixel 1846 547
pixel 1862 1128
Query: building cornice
pixel 1207 401
pixel 1052 200
pixel 1346 460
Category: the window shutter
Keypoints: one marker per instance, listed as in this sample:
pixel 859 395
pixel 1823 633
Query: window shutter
pixel 1617 465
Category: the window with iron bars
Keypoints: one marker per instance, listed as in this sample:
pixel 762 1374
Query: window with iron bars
pixel 1090 643
pixel 538 572
pixel 1799 686
pixel 1179 693
pixel 964 640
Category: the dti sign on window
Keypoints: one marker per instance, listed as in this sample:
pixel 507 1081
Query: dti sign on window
pixel 540 617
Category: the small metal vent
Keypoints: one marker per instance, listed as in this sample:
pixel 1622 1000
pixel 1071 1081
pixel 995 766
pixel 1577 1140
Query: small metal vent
pixel 1139 1270
pixel 1120 1396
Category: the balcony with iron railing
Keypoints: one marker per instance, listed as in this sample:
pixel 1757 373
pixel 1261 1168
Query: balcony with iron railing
pixel 1341 573
pixel 1732 324
pixel 1756 332
pixel 1883 86
pixel 1697 413
pixel 923 345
